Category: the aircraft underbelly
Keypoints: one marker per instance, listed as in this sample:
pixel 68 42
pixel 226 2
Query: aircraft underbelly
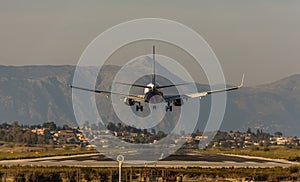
pixel 154 99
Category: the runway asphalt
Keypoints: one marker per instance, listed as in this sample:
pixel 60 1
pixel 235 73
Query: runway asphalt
pixel 192 160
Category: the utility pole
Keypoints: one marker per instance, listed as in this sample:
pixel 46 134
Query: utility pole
pixel 120 159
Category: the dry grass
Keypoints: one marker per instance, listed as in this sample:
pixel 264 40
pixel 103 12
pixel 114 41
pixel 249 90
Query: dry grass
pixel 274 152
pixel 22 152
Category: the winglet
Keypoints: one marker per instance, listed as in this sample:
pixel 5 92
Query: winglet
pixel 242 82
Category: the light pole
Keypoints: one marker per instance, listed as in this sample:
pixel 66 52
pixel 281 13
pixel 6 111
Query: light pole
pixel 120 159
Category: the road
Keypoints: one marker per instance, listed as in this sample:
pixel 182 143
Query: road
pixel 191 160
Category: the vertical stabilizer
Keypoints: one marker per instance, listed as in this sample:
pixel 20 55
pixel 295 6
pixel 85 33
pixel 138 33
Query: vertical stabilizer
pixel 154 79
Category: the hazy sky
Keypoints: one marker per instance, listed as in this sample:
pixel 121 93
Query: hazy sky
pixel 260 38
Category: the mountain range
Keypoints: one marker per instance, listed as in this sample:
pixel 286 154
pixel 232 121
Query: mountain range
pixel 36 94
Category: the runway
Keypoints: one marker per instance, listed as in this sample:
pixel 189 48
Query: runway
pixel 191 160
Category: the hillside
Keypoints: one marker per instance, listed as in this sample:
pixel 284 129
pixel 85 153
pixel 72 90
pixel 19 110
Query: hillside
pixel 272 107
pixel 34 94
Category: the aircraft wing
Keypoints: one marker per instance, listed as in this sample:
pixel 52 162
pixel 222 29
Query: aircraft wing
pixel 137 98
pixel 170 98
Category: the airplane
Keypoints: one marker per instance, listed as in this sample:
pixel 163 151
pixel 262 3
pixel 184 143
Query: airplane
pixel 153 93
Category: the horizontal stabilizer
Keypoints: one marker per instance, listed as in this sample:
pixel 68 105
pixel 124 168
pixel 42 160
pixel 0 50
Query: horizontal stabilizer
pixel 172 85
pixel 134 85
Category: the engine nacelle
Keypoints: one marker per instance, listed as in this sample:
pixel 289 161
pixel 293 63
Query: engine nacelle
pixel 178 102
pixel 128 101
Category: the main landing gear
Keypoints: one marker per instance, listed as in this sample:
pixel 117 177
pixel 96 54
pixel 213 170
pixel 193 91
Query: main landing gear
pixel 139 107
pixel 169 107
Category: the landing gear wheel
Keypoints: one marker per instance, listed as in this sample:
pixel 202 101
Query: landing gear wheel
pixel 139 107
pixel 169 108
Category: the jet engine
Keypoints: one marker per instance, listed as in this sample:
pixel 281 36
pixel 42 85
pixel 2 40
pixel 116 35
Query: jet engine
pixel 178 102
pixel 128 101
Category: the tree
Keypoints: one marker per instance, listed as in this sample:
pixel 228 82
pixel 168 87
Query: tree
pixel 101 126
pixel 51 125
pixel 278 134
pixel 111 126
pixel 16 132
pixel 15 124
pixel 258 132
pixel 30 138
pixel 248 130
pixel 5 126
pixel 160 135
pixel 86 125
pixel 66 127
pixel 47 136
pixel 94 126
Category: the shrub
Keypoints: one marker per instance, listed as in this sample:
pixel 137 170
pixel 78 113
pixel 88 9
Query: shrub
pixel 294 158
pixel 293 169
